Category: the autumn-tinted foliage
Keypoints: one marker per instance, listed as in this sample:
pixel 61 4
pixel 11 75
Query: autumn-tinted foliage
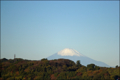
pixel 19 69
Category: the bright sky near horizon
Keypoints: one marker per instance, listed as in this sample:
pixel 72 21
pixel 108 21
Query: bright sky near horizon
pixel 37 29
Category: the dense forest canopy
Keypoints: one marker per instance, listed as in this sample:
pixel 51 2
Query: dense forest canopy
pixel 20 69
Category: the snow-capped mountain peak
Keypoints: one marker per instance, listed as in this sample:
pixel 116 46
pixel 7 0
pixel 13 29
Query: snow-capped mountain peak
pixel 73 55
pixel 69 52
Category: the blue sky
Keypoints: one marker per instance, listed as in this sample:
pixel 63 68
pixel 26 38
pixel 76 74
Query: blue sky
pixel 37 29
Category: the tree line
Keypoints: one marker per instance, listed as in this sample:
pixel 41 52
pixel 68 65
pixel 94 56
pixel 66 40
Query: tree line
pixel 58 69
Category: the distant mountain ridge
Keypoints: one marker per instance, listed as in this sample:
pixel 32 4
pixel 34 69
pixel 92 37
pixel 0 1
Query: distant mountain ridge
pixel 74 55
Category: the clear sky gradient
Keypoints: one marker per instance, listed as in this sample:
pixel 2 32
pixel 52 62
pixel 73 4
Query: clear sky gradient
pixel 37 29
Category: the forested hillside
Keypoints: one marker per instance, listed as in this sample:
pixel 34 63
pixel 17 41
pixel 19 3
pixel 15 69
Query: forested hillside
pixel 19 69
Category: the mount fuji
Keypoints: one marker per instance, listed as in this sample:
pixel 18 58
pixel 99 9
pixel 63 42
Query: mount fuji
pixel 74 55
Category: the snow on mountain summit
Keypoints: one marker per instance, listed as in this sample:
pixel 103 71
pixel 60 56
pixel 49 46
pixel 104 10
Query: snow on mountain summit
pixel 74 55
pixel 69 52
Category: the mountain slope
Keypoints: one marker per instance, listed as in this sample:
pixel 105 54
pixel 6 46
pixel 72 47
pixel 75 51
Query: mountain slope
pixel 74 56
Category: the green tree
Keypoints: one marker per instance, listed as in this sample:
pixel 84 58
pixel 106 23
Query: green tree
pixel 43 59
pixel 82 69
pixel 56 74
pixel 61 76
pixel 78 63
pixel 91 66
pixel 64 67
pixel 116 66
pixel 97 67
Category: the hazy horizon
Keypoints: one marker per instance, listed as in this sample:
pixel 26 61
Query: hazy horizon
pixel 37 29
